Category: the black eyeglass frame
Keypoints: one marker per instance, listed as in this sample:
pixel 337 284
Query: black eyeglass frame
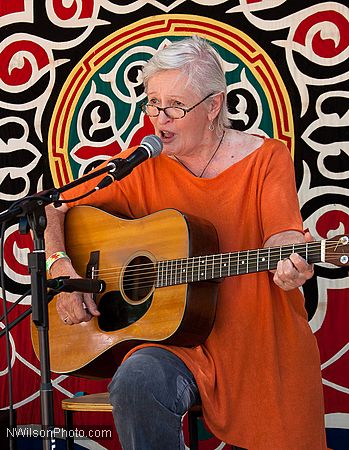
pixel 159 108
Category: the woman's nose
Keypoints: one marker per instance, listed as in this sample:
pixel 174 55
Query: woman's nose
pixel 162 117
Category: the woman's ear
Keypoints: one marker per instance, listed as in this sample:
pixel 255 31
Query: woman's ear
pixel 215 106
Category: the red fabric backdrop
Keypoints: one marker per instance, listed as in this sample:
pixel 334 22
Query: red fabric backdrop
pixel 69 86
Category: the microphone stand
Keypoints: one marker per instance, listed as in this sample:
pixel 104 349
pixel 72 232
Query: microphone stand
pixel 28 311
pixel 31 211
pixel 37 267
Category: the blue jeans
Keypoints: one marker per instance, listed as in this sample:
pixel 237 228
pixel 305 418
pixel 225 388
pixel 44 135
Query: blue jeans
pixel 150 392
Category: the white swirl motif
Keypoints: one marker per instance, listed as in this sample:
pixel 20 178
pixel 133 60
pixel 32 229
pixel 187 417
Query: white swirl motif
pixel 18 60
pixel 26 15
pixel 97 124
pixel 338 419
pixel 131 98
pixel 241 107
pixel 119 8
pixel 75 20
pixel 13 351
pixel 327 30
pixel 12 145
pixel 334 148
pixel 20 255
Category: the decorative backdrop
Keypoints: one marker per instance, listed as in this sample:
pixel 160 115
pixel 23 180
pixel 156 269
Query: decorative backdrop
pixel 70 89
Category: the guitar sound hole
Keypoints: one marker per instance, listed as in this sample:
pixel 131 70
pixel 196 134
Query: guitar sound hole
pixel 138 279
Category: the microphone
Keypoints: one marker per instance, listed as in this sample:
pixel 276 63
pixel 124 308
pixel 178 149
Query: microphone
pixel 89 285
pixel 150 147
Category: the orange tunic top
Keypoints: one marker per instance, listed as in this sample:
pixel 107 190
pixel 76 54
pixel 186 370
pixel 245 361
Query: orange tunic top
pixel 259 371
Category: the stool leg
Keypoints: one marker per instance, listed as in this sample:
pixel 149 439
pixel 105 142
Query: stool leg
pixel 68 417
pixel 193 430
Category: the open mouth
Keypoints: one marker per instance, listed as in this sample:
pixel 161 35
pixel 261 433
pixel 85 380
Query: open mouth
pixel 166 135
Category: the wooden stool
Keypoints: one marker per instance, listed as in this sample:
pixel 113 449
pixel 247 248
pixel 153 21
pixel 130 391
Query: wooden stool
pixel 84 403
pixel 100 403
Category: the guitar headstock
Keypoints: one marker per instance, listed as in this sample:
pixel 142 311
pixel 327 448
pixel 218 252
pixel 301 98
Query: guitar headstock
pixel 337 250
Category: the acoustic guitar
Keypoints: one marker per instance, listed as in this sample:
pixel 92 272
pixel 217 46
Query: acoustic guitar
pixel 161 274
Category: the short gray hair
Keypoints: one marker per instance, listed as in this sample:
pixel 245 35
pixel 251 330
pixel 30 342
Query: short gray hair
pixel 197 59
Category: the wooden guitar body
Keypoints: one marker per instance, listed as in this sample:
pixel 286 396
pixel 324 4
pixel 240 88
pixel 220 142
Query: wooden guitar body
pixel 112 249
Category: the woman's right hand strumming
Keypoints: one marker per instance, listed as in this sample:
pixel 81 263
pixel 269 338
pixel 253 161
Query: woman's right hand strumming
pixel 75 307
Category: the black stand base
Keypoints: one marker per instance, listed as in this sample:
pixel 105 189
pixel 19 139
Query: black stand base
pixel 5 432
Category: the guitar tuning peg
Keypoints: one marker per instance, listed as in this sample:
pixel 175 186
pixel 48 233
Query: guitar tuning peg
pixel 344 259
pixel 344 240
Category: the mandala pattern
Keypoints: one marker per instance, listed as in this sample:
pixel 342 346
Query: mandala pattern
pixel 69 91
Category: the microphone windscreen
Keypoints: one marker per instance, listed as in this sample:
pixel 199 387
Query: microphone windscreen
pixel 153 145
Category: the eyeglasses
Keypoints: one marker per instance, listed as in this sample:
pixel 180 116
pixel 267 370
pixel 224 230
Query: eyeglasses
pixel 172 112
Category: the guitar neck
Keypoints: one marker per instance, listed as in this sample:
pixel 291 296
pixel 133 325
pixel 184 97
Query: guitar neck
pixel 211 267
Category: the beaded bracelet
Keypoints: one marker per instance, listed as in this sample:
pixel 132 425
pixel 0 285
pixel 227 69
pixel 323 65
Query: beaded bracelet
pixel 53 258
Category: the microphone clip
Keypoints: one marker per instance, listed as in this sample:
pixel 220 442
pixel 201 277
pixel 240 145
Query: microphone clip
pixel 67 284
pixel 112 175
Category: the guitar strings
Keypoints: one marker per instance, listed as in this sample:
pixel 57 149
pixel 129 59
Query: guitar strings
pixel 141 281
pixel 193 263
pixel 271 253
pixel 210 261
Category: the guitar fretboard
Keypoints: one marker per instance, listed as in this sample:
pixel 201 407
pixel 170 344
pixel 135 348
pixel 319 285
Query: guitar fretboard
pixel 211 267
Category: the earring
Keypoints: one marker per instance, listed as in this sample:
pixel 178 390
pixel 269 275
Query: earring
pixel 211 126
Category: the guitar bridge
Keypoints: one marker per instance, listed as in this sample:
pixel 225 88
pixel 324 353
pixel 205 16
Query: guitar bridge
pixel 92 267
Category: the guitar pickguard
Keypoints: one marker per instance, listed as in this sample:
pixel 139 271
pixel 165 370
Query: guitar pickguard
pixel 116 313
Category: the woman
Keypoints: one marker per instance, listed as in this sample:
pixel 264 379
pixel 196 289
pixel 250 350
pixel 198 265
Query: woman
pixel 258 373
